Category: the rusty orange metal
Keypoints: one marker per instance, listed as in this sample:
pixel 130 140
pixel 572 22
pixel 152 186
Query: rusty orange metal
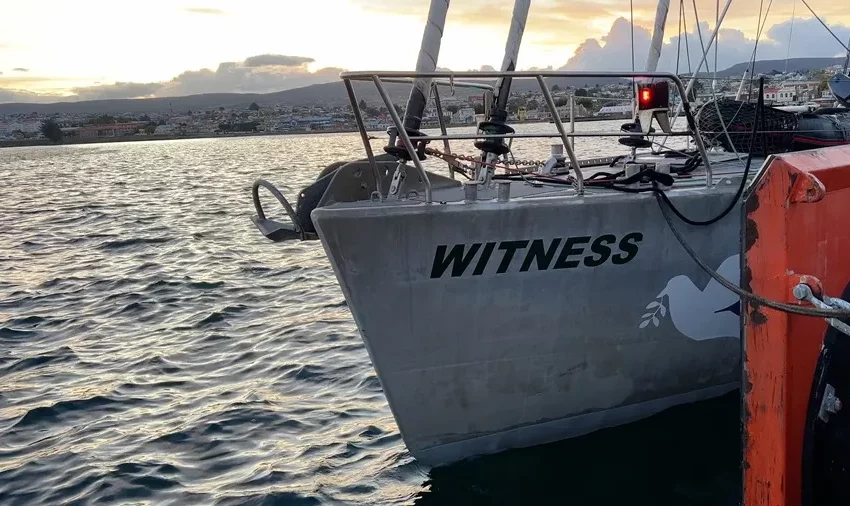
pixel 795 229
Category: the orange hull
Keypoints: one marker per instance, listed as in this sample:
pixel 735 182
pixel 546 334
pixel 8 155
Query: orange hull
pixel 796 229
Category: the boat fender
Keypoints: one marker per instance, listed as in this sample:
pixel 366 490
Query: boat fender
pixel 826 441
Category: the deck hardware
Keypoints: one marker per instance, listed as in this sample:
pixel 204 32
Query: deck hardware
pixel 830 404
pixel 804 292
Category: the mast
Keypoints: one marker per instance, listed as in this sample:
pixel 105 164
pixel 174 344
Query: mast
pixel 493 148
pixel 426 62
pixel 657 35
pixel 503 84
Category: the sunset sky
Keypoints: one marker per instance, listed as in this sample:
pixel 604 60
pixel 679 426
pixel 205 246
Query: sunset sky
pixel 88 49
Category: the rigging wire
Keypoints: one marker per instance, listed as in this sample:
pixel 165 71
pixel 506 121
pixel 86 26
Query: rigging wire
pixel 759 28
pixel 632 24
pixel 701 42
pixel 846 48
pixel 712 87
pixel 632 27
pixel 717 38
pixel 679 41
pixel 790 36
pixel 685 27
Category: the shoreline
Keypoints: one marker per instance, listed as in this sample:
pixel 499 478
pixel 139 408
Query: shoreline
pixel 18 143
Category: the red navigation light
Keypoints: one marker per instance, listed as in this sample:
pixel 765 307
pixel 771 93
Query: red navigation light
pixel 653 95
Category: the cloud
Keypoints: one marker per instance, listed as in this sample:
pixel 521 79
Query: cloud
pixel 205 10
pixel 16 95
pixel 263 60
pixel 257 74
pixel 613 51
pixel 263 73
pixel 116 90
pixel 20 69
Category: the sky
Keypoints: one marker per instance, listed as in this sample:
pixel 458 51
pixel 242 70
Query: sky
pixel 91 49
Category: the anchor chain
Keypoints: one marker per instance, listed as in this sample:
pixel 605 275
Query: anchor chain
pixel 454 159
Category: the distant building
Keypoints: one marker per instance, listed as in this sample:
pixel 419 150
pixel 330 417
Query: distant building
pixel 164 130
pixel 770 94
pixel 464 116
pixel 26 127
pixel 615 110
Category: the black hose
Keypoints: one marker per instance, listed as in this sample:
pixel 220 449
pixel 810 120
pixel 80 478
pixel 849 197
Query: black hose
pixel 741 187
pixel 749 296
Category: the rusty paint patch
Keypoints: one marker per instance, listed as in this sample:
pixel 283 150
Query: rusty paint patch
pixel 757 317
pixel 752 202
pixel 746 278
pixel 792 180
pixel 751 234
pixel 746 387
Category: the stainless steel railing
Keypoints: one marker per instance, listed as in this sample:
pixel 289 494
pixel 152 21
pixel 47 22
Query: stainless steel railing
pixel 442 78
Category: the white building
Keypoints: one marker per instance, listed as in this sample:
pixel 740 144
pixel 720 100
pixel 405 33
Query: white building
pixel 27 127
pixel 464 116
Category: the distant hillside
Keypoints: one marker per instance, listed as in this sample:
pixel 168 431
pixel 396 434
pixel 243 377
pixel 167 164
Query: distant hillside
pixel 328 93
pixel 793 65
pixel 334 93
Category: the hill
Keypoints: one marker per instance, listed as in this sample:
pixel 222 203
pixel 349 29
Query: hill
pixel 328 93
pixel 333 93
pixel 793 65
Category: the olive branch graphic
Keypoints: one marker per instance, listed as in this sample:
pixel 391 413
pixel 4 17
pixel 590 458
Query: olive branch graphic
pixel 655 307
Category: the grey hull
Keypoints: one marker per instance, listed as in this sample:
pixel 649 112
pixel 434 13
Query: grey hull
pixel 555 316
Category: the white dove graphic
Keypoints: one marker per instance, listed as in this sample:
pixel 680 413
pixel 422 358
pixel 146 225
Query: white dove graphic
pixel 700 314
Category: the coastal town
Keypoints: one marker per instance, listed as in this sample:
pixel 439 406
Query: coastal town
pixel 610 101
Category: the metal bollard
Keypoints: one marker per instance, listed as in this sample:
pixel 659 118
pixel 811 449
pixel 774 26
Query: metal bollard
pixel 504 191
pixel 470 191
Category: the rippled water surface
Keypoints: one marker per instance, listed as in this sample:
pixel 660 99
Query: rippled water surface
pixel 156 349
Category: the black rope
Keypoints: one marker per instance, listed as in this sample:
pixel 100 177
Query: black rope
pixel 665 204
pixel 744 294
pixel 741 186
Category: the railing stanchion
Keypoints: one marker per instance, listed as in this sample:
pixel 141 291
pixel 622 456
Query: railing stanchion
pixel 692 125
pixel 446 146
pixel 358 118
pixel 564 136
pixel 568 138
pixel 402 133
pixel 573 119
